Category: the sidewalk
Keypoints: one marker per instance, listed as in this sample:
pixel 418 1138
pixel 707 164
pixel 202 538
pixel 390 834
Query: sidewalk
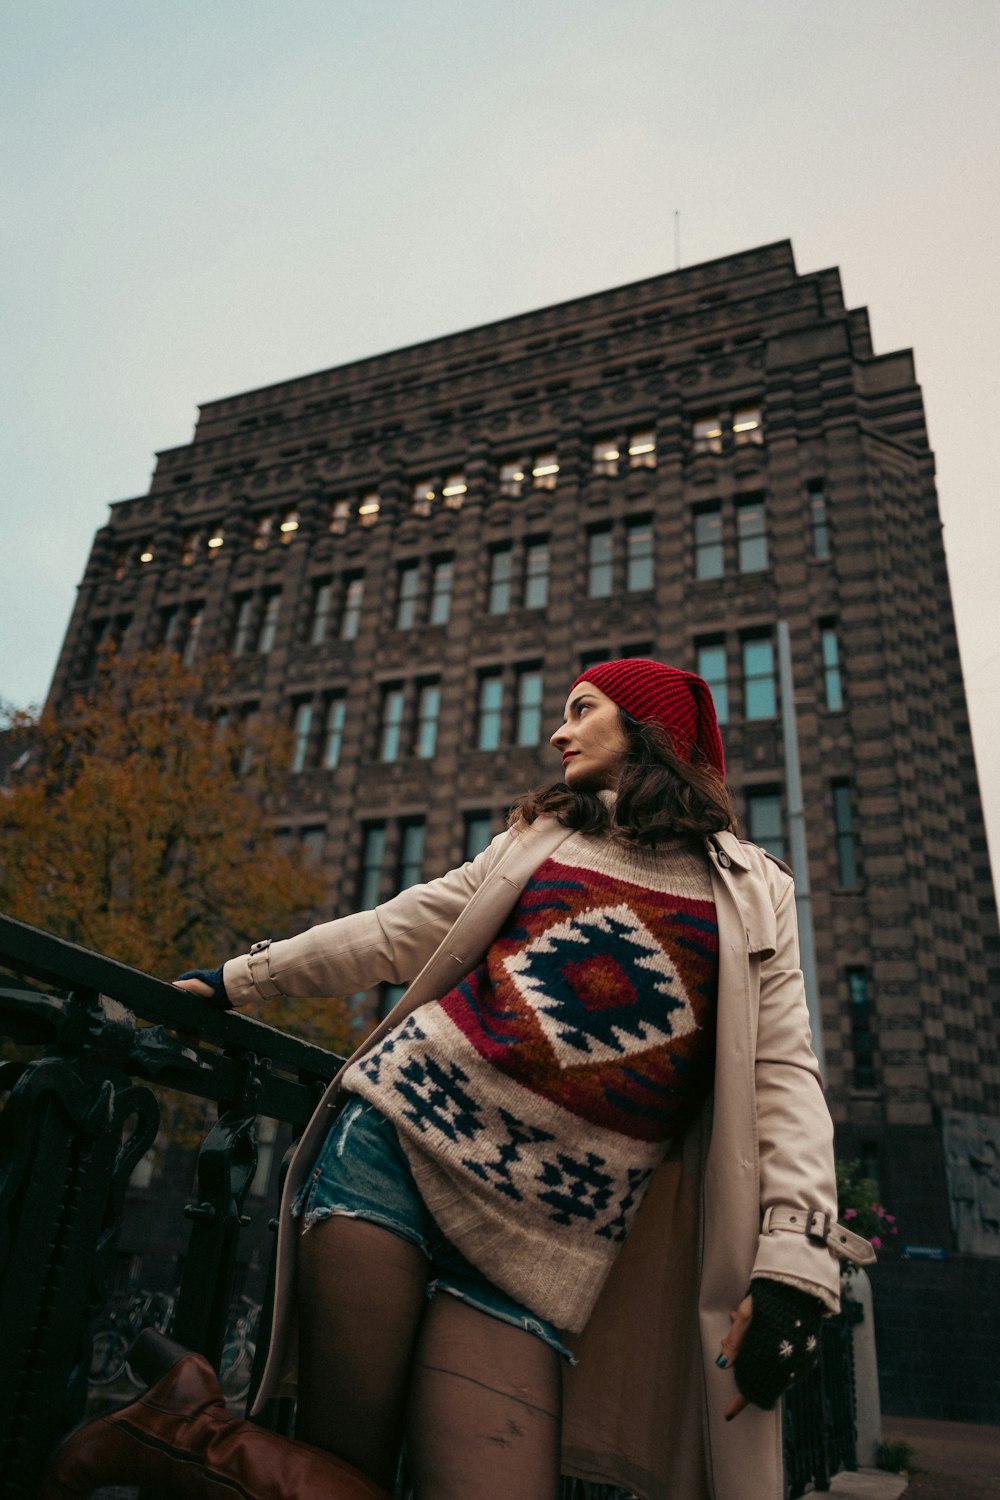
pixel 962 1458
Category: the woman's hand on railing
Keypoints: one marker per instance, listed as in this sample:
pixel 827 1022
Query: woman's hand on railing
pixel 207 984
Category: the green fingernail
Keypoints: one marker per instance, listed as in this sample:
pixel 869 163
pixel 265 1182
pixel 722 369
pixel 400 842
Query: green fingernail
pixel 722 1361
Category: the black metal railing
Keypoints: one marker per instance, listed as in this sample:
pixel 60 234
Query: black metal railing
pixel 79 1114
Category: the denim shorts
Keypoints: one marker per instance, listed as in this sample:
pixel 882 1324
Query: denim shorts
pixel 362 1173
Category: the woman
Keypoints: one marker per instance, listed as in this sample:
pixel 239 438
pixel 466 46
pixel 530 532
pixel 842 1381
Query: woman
pixel 606 1013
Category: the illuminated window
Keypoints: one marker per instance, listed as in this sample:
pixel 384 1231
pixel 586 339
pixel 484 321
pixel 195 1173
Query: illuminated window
pixel 369 507
pixel 512 478
pixel 536 575
pixel 350 619
pixel 600 563
pixel 146 554
pixel 333 732
pixel 751 534
pixel 639 555
pixel 422 497
pixel 642 449
pixel 760 699
pixel 372 859
pixel 706 434
pixel 712 666
pixel 831 668
pixel 501 576
pixel 268 621
pixel 544 471
pixel 709 560
pixel 301 726
pixel 818 520
pixel 289 525
pixel 529 707
pixel 490 711
pixel 391 730
pixel 411 854
pixel 243 625
pixel 442 576
pixel 322 606
pixel 604 456
pixel 407 591
pixel 216 538
pixel 428 710
pixel 764 822
pixel 263 526
pixel 454 490
pixel 747 426
pixel 340 515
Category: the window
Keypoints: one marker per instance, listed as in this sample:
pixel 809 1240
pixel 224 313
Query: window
pixel 340 515
pixel 712 666
pixel 390 732
pixel 593 658
pixel 862 1037
pixel 478 831
pixel 192 632
pixel 748 426
pixel 709 559
pixel 369 507
pixel 751 532
pixel 289 525
pixel 311 842
pixel 319 614
pixel 764 821
pixel 121 562
pixel 421 497
pixel 270 605
pixel 511 478
pixel 243 625
pixel 832 684
pixel 262 528
pixel 169 629
pixel 529 707
pixel 408 588
pixel 490 711
pixel 759 693
pixel 350 619
pixel 544 471
pixel 372 857
pixel 843 822
pixel 600 563
pixel 604 456
pixel 216 539
pixel 536 575
pixel 818 519
pixel 333 732
pixel 638 555
pixel 301 726
pixel 706 434
pixel 411 854
pixel 146 553
pixel 454 490
pixel 642 448
pixel 428 709
pixel 189 548
pixel 442 577
pixel 501 575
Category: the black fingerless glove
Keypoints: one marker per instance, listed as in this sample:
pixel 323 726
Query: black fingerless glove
pixel 781 1342
pixel 213 978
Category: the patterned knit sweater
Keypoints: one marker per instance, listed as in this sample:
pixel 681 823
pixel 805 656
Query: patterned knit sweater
pixel 535 1100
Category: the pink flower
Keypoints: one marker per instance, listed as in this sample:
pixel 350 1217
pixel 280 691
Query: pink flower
pixel 876 1242
pixel 874 1208
pixel 890 1218
pixel 880 1211
pixel 850 1213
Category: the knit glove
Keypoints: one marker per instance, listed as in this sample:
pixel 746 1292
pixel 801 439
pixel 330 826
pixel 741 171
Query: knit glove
pixel 781 1343
pixel 213 978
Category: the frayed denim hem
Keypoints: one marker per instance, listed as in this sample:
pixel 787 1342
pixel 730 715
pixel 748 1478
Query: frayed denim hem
pixel 527 1324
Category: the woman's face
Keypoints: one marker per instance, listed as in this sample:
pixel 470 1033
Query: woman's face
pixel 591 741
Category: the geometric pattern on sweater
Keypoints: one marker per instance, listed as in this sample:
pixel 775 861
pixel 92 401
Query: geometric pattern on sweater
pixel 536 1099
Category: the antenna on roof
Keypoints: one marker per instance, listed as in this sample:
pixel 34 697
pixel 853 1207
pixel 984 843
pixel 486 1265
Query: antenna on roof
pixel 677 239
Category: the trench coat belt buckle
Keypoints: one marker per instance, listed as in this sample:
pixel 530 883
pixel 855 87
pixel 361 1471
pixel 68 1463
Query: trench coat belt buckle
pixel 257 962
pixel 819 1228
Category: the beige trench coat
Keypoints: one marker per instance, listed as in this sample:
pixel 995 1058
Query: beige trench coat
pixel 644 1404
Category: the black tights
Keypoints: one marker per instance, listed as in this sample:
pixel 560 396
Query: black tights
pixel 478 1399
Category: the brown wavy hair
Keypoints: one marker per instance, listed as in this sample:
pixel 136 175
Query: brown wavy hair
pixel 660 796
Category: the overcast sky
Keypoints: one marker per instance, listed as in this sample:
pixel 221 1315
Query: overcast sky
pixel 197 198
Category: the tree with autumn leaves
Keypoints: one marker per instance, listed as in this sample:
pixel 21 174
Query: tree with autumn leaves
pixel 137 825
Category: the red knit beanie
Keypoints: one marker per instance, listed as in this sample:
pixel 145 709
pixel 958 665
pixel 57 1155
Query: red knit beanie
pixel 680 702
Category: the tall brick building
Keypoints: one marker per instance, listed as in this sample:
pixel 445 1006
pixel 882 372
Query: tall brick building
pixel 410 557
